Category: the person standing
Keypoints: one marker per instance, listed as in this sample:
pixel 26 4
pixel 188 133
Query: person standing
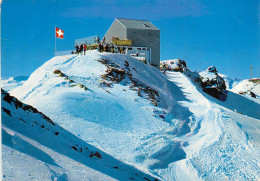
pixel 105 48
pixel 164 68
pixel 108 47
pixel 97 40
pixel 112 48
pixel 77 49
pixel 100 47
pixel 103 40
pixel 85 48
pixel 81 48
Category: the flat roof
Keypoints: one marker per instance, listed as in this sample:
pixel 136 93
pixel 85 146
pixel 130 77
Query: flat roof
pixel 137 24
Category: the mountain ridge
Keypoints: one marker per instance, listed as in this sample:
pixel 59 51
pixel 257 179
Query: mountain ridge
pixel 121 118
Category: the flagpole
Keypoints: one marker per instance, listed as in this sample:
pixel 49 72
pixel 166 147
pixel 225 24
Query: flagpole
pixel 55 42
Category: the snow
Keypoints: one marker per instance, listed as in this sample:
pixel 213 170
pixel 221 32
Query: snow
pixel 173 63
pixel 256 90
pixel 199 138
pixel 9 83
pixel 208 75
pixel 33 151
pixel 230 83
pixel 245 87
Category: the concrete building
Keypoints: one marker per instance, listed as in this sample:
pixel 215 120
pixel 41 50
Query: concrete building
pixel 141 35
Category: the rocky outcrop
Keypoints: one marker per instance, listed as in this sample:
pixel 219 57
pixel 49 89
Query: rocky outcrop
pixel 12 100
pixel 213 84
pixel 115 74
pixel 209 80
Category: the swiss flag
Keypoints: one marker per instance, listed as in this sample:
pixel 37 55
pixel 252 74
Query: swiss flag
pixel 59 33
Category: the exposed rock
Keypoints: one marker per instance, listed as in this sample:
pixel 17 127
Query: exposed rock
pixel 212 91
pixel 145 91
pixel 7 97
pixel 108 63
pixel 212 69
pixel 25 107
pixel 255 80
pixel 147 179
pixel 22 120
pixel 74 148
pixel 161 116
pixel 209 80
pixel 7 111
pixel 252 94
pixel 116 75
pixel 176 65
pixel 105 83
pixel 57 71
pixel 213 84
pixel 81 86
pixel 96 154
pixel 61 75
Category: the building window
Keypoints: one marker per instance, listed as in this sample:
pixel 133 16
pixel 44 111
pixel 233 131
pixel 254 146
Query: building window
pixel 143 48
pixel 146 25
pixel 130 48
pixel 138 48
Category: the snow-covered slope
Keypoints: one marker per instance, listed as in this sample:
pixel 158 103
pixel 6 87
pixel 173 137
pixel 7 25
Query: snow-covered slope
pixel 9 83
pixel 35 148
pixel 222 138
pixel 179 134
pixel 249 88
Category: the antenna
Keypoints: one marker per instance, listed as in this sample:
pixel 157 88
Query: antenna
pixel 251 70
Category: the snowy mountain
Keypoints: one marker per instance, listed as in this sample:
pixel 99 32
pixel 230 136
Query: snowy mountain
pixel 249 88
pixel 230 83
pixel 35 148
pixel 163 125
pixel 9 83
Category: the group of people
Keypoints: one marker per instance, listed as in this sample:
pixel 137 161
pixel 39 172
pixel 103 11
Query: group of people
pixel 101 47
pixel 105 47
pixel 80 49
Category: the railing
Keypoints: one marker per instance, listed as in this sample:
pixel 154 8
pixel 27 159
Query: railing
pixel 122 42
pixel 87 40
pixel 61 53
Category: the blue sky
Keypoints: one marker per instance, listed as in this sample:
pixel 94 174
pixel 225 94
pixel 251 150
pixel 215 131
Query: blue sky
pixel 224 33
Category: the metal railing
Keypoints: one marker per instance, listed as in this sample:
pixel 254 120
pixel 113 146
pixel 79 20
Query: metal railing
pixel 61 53
pixel 87 40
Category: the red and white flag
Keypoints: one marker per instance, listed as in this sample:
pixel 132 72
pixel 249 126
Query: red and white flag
pixel 59 33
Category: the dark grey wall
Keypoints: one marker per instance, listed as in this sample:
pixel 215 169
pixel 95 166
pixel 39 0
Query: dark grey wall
pixel 148 38
pixel 116 30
